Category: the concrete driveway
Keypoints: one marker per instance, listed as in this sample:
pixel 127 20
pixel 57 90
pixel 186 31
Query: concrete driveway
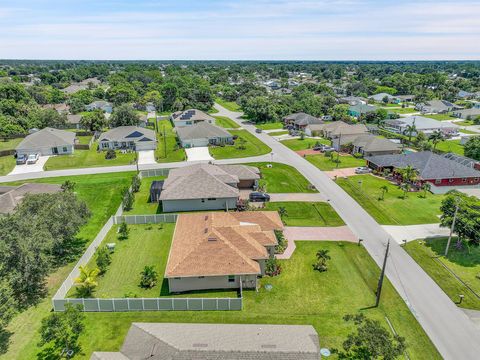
pixel 414 232
pixel 30 168
pixel 341 173
pixel 146 157
pixel 198 154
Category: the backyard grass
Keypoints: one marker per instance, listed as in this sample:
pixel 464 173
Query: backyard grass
pixel 102 194
pixel 229 105
pixel 253 147
pixel 281 178
pixel 326 164
pixel 84 140
pixel 307 143
pixel 141 204
pixel 226 122
pixel 9 144
pixel 299 295
pixel 307 213
pixel 88 158
pixel 393 210
pixel 452 146
pixel 440 117
pixel 270 126
pixel 167 147
pixel 7 163
pixel 464 262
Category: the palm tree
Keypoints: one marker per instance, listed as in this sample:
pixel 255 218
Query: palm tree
pixel 436 137
pixel 410 129
pixel 149 277
pixel 322 257
pixel 384 189
pixel 409 174
pixel 426 187
pixel 405 188
pixel 87 280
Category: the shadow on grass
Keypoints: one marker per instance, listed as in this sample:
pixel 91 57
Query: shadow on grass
pixel 467 255
pixel 4 340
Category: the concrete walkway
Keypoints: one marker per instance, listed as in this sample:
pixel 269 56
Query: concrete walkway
pixel 292 234
pixel 198 154
pixel 303 197
pixel 414 232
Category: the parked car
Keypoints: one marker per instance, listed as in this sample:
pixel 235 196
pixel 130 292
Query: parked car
pixel 258 131
pixel 259 197
pixel 363 170
pixel 32 158
pixel 21 159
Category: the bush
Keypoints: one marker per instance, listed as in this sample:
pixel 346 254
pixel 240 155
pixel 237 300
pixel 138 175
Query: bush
pixel 282 243
pixel 272 267
pixel 149 277
pixel 103 260
pixel 110 154
pixel 136 182
pixel 128 199
pixel 123 231
pixel 357 155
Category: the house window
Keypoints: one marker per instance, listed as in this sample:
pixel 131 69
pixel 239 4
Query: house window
pixel 177 278
pixel 64 149
pixel 438 181
pixel 211 199
pixel 450 180
pixel 201 277
pixel 475 179
pixel 464 180
pixel 231 278
pixel 203 200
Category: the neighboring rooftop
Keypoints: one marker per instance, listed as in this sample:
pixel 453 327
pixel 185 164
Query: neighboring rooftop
pixel 191 114
pixel 303 119
pixel 128 133
pixel 174 341
pixel 421 122
pixel 11 196
pixel 47 137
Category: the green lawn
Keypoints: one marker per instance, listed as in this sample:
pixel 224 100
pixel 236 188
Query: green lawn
pixel 307 213
pixel 440 117
pixel 278 133
pixel 84 140
pixel 88 158
pixel 464 262
pixel 281 178
pixel 102 194
pixel 464 123
pixel 326 164
pixel 270 126
pixel 464 131
pixel 403 110
pixel 229 105
pixel 453 146
pixel 299 295
pixel 253 147
pixel 7 163
pixel 9 144
pixel 226 122
pixel 141 205
pixel 307 143
pixel 393 210
pixel 167 148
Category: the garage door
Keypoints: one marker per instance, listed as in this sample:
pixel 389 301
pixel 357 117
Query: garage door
pixel 148 145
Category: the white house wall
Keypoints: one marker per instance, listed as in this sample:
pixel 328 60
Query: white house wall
pixel 182 284
pixel 197 204
pixel 45 151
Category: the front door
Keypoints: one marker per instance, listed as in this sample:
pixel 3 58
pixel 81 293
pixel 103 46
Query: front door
pixel 55 151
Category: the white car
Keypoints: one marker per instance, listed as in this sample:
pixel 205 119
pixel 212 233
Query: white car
pixel 33 158
pixel 363 170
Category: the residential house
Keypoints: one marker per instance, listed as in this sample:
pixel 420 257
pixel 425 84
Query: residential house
pixel 370 145
pixel 47 141
pixel 352 100
pixel 175 341
pixel 11 196
pixel 221 250
pixel 191 117
pixel 336 129
pixel 206 187
pixel 467 114
pixel 379 98
pixel 422 124
pixel 437 106
pixel 314 129
pixel 73 121
pixel 442 172
pixel 301 120
pixel 203 134
pixel 60 108
pixel 361 109
pixel 465 95
pixel 142 120
pixel 100 104
pixel 405 98
pixel 128 138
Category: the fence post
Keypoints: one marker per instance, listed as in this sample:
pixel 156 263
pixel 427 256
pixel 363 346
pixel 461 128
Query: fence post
pixel 128 304
pixel 228 303
pixel 173 304
pixel 113 305
pixel 98 304
pixel 143 304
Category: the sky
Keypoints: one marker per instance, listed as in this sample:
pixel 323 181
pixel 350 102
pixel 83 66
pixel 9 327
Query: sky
pixel 240 29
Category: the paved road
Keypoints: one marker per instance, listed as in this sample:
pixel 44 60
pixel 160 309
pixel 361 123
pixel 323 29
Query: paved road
pixel 414 232
pixel 454 335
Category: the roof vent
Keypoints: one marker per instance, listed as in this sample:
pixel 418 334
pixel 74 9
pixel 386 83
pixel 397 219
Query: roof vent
pixel 212 239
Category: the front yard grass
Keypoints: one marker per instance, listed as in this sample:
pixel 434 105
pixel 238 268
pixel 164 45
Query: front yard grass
pixel 393 210
pixel 464 262
pixel 270 126
pixel 88 158
pixel 452 146
pixel 226 122
pixel 307 213
pixel 299 295
pixel 281 178
pixel 167 148
pixel 7 163
pixel 326 164
pixel 253 147
pixel 229 105
pixel 403 110
pixel 307 143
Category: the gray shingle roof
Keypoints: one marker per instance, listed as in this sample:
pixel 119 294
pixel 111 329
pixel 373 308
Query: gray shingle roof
pixel 370 143
pixel 173 341
pixel 302 119
pixel 421 123
pixel 191 114
pixel 47 137
pixel 11 196
pixel 202 130
pixel 127 133
pixel 428 165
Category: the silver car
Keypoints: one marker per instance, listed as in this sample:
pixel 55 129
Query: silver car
pixel 32 158
pixel 363 170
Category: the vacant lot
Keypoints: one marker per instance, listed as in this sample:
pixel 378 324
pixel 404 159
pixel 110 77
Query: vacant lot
pixel 393 210
pixel 307 143
pixel 167 148
pixel 251 147
pixel 453 146
pixel 299 295
pixel 88 158
pixel 7 163
pixel 270 126
pixel 402 110
pixel 281 178
pixel 307 214
pixel 464 262
pixel 226 122
pixel 326 164
pixel 229 105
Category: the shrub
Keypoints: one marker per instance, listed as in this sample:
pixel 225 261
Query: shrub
pixel 110 154
pixel 357 155
pixel 103 260
pixel 149 277
pixel 136 182
pixel 123 231
pixel 322 257
pixel 282 243
pixel 128 199
pixel 272 267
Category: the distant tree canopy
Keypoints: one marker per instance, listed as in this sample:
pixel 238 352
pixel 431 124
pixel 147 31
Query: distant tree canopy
pixel 472 148
pixel 124 115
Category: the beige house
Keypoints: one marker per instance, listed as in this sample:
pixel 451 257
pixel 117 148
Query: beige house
pixel 221 250
pixel 191 117
pixel 47 141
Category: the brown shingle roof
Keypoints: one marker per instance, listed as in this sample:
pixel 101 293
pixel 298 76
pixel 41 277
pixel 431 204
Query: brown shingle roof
pixel 213 244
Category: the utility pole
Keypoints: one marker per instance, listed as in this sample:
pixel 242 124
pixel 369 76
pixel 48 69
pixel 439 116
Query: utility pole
pixel 339 148
pixel 452 228
pixel 382 275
